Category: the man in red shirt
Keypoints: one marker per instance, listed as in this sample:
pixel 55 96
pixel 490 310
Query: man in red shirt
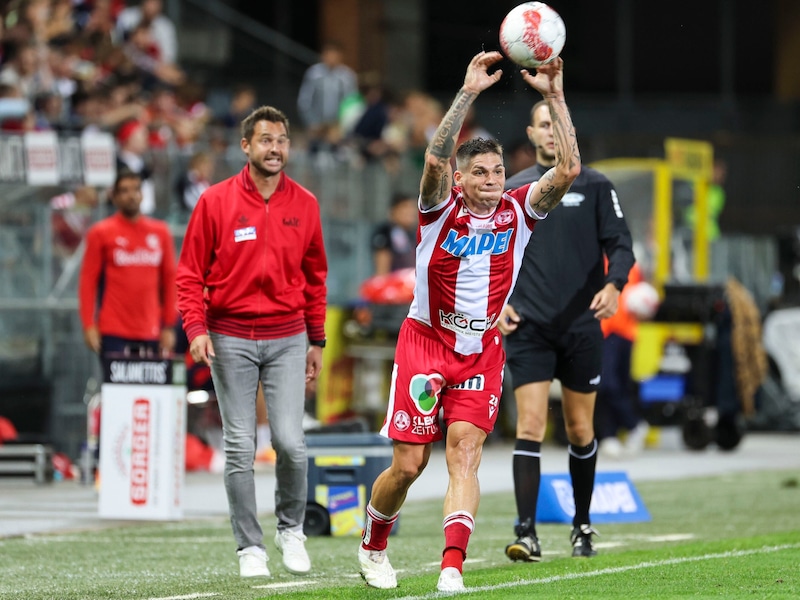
pixel 126 291
pixel 251 287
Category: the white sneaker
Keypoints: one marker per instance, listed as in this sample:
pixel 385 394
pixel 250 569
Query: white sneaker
pixel 291 545
pixel 450 580
pixel 637 437
pixel 611 447
pixel 375 569
pixel 253 562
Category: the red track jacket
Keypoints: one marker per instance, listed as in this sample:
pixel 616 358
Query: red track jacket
pixel 251 269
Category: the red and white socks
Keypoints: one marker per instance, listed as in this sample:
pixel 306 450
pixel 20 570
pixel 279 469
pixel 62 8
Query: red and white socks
pixel 457 526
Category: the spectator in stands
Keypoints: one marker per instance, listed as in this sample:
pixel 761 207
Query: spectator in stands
pixel 23 71
pixel 325 85
pixel 160 28
pixel 15 109
pixel 48 108
pixel 196 180
pixel 142 52
pixel 394 243
pixel 243 101
pixel 368 130
pixel 134 257
pixel 132 140
pixel 72 218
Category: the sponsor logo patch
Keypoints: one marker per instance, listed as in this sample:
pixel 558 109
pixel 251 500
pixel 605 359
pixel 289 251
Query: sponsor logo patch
pixel 424 391
pixel 471 245
pixel 463 324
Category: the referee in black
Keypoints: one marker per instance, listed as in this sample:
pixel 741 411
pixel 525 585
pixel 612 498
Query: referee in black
pixel 552 328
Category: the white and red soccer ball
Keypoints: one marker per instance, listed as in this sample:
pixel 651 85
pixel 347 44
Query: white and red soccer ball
pixel 642 300
pixel 532 34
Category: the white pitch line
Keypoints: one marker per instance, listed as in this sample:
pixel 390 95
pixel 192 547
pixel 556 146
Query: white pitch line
pixel 188 596
pixel 610 571
pixel 286 584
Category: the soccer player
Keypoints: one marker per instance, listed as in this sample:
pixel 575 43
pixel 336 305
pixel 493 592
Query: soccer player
pixel 552 324
pixel 126 289
pixel 252 294
pixel 449 354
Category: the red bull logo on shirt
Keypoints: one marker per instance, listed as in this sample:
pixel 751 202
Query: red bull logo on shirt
pixel 471 245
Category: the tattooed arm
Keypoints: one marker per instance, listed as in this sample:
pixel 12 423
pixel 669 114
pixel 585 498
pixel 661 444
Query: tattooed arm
pixel 552 186
pixel 437 174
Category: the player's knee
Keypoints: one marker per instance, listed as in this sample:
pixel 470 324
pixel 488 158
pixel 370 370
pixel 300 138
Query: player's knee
pixel 409 467
pixel 580 433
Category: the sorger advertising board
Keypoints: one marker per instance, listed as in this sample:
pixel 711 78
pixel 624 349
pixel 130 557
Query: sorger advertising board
pixel 142 441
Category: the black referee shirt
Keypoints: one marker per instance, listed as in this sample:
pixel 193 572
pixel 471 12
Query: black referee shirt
pixel 563 266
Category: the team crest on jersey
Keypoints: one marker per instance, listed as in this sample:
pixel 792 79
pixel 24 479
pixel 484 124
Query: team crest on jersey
pixel 424 391
pixel 401 420
pixel 504 217
pixel 152 241
pixel 483 243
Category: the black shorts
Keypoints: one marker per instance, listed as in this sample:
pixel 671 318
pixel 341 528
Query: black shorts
pixel 574 357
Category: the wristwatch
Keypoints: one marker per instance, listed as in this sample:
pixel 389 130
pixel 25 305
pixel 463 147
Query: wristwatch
pixel 320 343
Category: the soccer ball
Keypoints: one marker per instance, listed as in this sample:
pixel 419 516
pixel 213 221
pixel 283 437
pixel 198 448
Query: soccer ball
pixel 532 34
pixel 641 299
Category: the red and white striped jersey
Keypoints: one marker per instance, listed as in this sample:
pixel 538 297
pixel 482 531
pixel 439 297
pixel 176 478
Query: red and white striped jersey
pixel 467 266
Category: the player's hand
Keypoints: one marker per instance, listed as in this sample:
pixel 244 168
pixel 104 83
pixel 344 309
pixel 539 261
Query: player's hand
pixel 549 78
pixel 509 320
pixel 166 344
pixel 202 350
pixel 605 302
pixel 91 335
pixel 313 363
pixel 478 77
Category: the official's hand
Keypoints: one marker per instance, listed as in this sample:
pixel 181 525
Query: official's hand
pixel 605 302
pixel 91 335
pixel 313 363
pixel 509 320
pixel 202 350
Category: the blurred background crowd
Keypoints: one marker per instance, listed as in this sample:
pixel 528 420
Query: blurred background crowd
pixel 364 85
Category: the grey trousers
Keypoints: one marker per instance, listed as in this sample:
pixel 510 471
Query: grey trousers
pixel 236 369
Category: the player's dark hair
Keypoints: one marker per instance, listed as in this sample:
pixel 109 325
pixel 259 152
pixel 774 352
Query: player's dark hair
pixel 263 113
pixel 475 146
pixel 125 174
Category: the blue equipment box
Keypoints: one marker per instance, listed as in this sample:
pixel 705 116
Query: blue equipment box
pixel 341 470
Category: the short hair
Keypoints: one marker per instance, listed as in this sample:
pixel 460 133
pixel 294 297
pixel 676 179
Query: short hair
pixel 475 146
pixel 400 197
pixel 537 106
pixel 125 174
pixel 263 113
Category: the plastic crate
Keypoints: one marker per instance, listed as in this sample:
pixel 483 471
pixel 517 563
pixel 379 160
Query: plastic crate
pixel 341 470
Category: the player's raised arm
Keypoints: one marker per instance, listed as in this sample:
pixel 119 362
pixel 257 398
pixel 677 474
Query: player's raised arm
pixel 549 81
pixel 437 174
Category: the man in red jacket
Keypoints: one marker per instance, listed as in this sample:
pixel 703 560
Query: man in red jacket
pixel 126 291
pixel 251 287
